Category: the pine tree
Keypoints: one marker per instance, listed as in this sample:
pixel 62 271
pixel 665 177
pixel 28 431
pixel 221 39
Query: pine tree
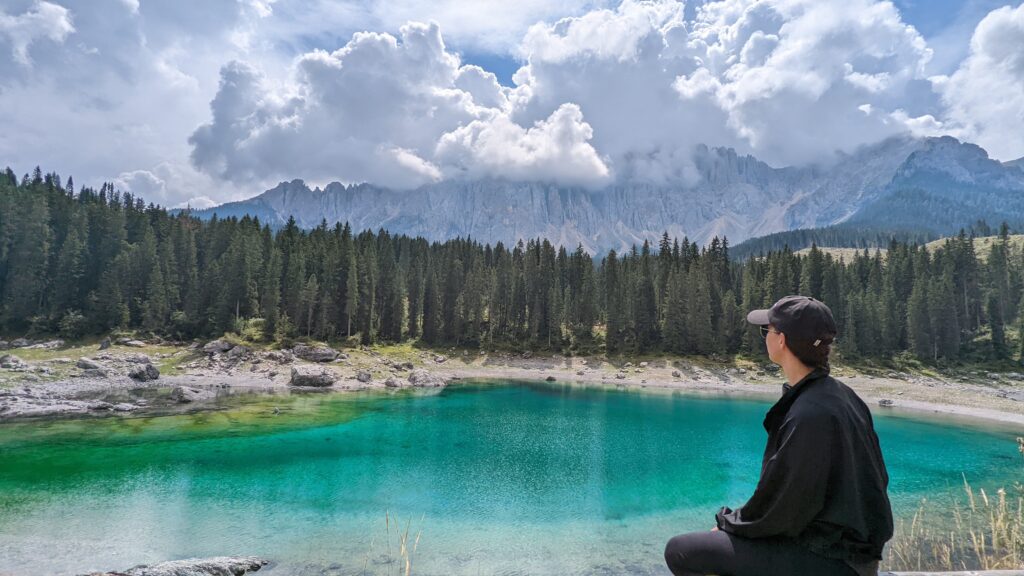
pixel 919 324
pixel 614 323
pixel 994 310
pixel 70 271
pixel 645 311
pixel 431 309
pixel 812 273
pixel 675 327
pixel 942 302
pixel 351 291
pixel 698 314
pixel 25 286
pixel 731 325
pixel 155 311
pixel 271 294
pixel 310 299
pixel 366 314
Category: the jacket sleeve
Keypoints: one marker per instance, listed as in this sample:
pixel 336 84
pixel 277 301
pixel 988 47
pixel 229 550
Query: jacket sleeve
pixel 793 483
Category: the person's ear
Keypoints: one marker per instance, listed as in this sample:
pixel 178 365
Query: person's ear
pixel 782 341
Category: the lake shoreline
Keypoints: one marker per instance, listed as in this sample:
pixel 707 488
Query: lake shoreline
pixel 55 385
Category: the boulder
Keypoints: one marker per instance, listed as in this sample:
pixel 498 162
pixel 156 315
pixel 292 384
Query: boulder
pixel 218 566
pixel 363 376
pixel 217 346
pixel 676 374
pixel 620 376
pixel 88 364
pixel 144 373
pixel 50 345
pixel 238 352
pixel 643 364
pixel 315 353
pixel 528 354
pixel 20 343
pixel 138 358
pixel 185 395
pixel 550 379
pixel 105 343
pixel 580 372
pixel 440 358
pixel 424 379
pixel 95 373
pixel 392 382
pixel 4 344
pixel 311 376
pixel 279 356
pixel 11 362
pixel 886 402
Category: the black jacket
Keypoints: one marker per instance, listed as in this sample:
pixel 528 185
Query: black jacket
pixel 823 481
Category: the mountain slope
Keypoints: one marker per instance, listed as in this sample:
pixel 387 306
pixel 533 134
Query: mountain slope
pixel 731 195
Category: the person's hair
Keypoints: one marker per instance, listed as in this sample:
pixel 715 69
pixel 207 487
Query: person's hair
pixel 811 355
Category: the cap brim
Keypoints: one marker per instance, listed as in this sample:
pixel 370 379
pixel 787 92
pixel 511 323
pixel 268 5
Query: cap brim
pixel 758 317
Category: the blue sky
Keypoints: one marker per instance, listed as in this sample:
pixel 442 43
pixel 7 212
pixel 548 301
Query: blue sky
pixel 210 101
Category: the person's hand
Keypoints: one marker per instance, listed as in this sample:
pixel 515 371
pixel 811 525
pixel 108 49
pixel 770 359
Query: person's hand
pixel 715 529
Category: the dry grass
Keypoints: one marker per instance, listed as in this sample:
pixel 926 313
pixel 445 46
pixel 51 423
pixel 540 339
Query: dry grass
pixel 401 566
pixel 987 533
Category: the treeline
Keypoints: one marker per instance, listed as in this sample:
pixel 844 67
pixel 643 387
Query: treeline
pixel 88 262
pixel 836 236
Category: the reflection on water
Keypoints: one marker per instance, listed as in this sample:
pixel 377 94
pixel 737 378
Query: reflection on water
pixel 530 478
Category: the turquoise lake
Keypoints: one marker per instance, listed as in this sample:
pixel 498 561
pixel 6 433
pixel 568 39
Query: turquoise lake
pixel 509 478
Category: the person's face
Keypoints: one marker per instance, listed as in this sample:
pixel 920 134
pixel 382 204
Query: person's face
pixel 774 340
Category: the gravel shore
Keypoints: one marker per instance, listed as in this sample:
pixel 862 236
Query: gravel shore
pixel 84 381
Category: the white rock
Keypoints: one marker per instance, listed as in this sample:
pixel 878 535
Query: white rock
pixel 423 379
pixel 306 375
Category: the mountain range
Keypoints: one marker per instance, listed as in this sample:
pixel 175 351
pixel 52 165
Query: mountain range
pixel 933 185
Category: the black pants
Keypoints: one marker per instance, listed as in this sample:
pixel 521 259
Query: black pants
pixel 723 554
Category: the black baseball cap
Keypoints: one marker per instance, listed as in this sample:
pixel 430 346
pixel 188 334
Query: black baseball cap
pixel 800 317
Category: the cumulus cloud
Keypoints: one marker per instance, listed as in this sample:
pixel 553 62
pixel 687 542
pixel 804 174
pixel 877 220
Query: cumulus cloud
pixel 985 96
pixel 143 183
pixel 623 93
pixel 363 112
pixel 44 21
pixel 220 100
pixel 387 110
pixel 785 80
pixel 555 149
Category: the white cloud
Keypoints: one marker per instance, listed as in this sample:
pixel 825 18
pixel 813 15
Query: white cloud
pixel 398 112
pixel 625 92
pixel 614 93
pixel 782 79
pixel 44 21
pixel 985 96
pixel 365 112
pixel 555 149
pixel 197 203
pixel 143 183
pixel 131 5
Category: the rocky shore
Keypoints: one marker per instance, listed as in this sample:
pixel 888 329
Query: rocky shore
pixel 47 379
pixel 218 566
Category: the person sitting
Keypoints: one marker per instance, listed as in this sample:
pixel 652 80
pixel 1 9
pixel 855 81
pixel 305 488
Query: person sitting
pixel 820 505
